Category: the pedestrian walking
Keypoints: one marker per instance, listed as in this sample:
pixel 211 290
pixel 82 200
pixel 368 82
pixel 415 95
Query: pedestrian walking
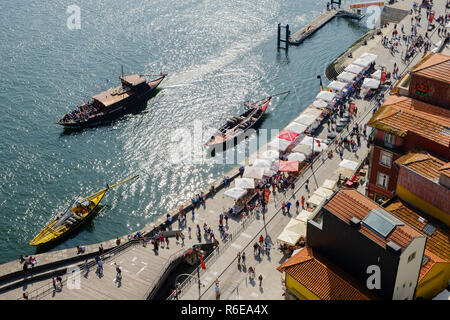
pixel 303 202
pixel 217 289
pixel 239 258
pixel 255 248
pixel 283 207
pixel 307 185
pixel 243 258
pixel 193 215
pixel 100 267
pixel 261 239
pixel 101 251
pixel 189 231
pixel 59 279
pixel 182 239
pixel 260 280
pixel 86 265
pixel 167 242
pixel 54 283
pixel 288 206
pixel 226 219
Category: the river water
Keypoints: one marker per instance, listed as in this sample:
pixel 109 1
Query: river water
pixel 217 54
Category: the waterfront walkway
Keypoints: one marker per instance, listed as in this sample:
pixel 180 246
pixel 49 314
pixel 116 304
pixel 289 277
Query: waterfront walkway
pixel 142 268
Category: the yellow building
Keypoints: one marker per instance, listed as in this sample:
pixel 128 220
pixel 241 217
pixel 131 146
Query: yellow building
pixel 309 276
pixel 435 271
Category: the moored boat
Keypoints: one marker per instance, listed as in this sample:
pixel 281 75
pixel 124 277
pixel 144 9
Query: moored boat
pixel 110 104
pixel 233 131
pixel 80 211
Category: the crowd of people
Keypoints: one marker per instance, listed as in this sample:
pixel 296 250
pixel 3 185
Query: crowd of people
pixel 82 112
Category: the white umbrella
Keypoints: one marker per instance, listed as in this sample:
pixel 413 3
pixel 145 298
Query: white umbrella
pixel 296 127
pixel 352 165
pixel 371 83
pixel 309 141
pixel 235 193
pixel 253 172
pixel 320 104
pixel 270 154
pixel 337 85
pixel 296 156
pixel 304 149
pixel 353 68
pixel 326 96
pixel 262 163
pixel 244 183
pixel 346 76
pixel 377 75
pixel 279 144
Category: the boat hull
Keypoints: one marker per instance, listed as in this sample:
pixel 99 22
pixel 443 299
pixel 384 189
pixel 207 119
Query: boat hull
pixel 58 238
pixel 126 107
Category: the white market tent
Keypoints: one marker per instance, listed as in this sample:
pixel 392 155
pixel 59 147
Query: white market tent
pixel 343 172
pixel 305 119
pixel 296 156
pixel 326 96
pixel 315 200
pixel 337 85
pixel 352 165
pixel 270 154
pixel 346 76
pixel 320 104
pixel 369 57
pixel 329 184
pixel 296 127
pixel 304 215
pixel 362 62
pixel 235 193
pixel 312 111
pixel 279 144
pixel 323 192
pixel 262 163
pixel 353 68
pixel 293 231
pixel 377 75
pixel 253 172
pixel 371 83
pixel 303 149
pixel 309 141
pixel 244 183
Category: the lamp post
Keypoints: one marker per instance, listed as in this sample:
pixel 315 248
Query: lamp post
pixel 191 276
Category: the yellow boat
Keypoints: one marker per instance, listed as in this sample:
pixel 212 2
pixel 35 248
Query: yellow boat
pixel 81 210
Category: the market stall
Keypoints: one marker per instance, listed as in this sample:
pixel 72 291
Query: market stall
pixel 337 86
pixel 346 77
pixel 297 127
pixel 270 155
pixel 318 103
pixel 288 135
pixel 279 144
pixel 330 184
pixel 292 233
pixel 353 68
pixel 323 192
pixel 288 166
pixel 296 157
pixel 304 149
pixel 244 183
pixel 235 193
pixel 253 173
pixel 326 96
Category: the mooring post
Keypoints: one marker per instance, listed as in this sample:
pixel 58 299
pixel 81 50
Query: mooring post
pixel 288 33
pixel 279 35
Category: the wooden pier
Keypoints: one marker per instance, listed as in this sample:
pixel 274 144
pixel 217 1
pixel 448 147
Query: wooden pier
pixel 319 22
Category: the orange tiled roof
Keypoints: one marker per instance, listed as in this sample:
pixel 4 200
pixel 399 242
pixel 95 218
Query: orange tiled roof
pixel 439 242
pixel 424 164
pixel 349 203
pixel 432 260
pixel 436 66
pixel 400 115
pixel 324 279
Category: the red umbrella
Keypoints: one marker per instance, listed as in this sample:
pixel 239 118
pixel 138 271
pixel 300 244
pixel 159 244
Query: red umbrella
pixel 288 135
pixel 288 166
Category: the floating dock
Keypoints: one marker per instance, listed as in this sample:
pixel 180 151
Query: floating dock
pixel 319 22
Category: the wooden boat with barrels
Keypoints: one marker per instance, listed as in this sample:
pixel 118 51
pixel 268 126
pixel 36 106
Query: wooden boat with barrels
pixel 233 131
pixel 112 103
pixel 79 212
